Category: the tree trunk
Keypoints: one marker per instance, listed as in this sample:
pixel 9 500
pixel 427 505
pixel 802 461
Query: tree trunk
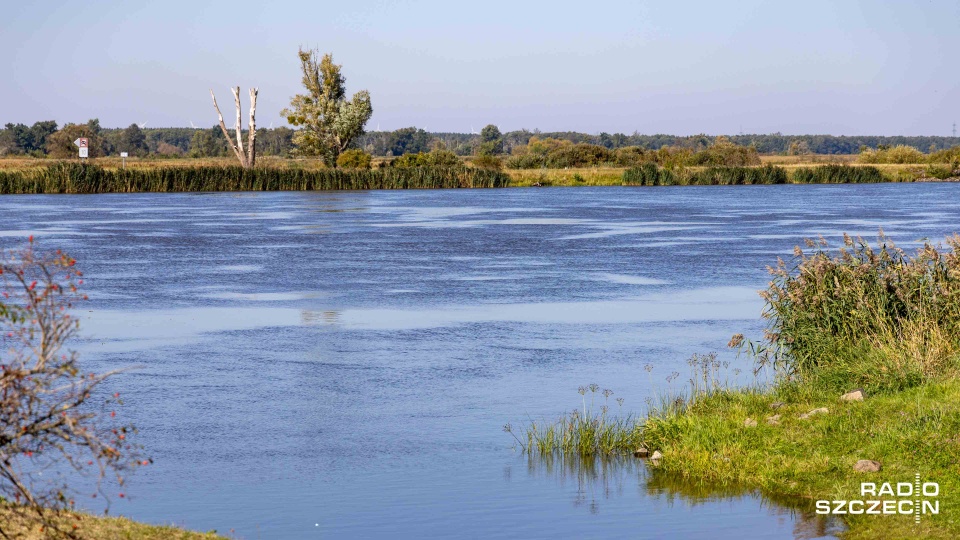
pixel 252 136
pixel 236 100
pixel 226 133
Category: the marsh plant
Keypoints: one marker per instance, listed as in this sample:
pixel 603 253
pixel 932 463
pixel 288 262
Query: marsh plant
pixel 591 429
pixel 66 177
pixel 862 316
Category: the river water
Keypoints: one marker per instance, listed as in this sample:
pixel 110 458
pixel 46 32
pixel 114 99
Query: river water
pixel 341 364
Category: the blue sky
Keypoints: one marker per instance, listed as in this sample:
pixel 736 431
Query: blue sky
pixel 682 67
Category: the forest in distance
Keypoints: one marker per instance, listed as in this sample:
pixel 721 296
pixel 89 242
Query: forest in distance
pixel 48 139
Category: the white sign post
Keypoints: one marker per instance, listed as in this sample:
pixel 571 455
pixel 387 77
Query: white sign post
pixel 123 159
pixel 84 144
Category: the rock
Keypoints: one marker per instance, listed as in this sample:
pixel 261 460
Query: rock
pixel 750 422
pixel 656 456
pixel 853 395
pixel 641 452
pixel 867 465
pixel 777 404
pixel 774 420
pixel 821 410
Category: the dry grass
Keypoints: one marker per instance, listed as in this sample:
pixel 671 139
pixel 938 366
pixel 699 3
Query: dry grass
pixel 86 526
pixel 590 176
pixel 815 159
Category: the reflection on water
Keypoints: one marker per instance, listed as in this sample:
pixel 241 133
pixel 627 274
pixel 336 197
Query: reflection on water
pixel 594 481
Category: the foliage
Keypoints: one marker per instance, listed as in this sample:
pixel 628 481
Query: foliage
pixel 724 153
pixel 51 435
pixel 84 178
pixel 798 147
pixel 435 158
pixel 20 139
pixel 329 122
pixel 134 141
pixel 871 317
pixel 491 141
pixel 897 154
pixel 60 144
pixel 408 141
pixel 488 162
pixel 354 159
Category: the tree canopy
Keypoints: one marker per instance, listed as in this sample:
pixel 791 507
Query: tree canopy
pixel 328 121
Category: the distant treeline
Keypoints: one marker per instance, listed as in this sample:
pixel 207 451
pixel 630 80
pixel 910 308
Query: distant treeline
pixel 46 138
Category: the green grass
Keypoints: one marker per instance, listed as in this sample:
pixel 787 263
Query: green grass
pixel 912 431
pixel 866 317
pixel 66 177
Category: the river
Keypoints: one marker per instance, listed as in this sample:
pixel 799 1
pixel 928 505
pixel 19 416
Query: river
pixel 341 364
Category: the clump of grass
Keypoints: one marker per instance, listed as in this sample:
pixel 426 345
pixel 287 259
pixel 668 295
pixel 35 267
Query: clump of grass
pixel 587 431
pixel 647 174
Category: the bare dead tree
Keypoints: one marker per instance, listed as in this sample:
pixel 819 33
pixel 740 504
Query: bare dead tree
pixel 53 438
pixel 248 158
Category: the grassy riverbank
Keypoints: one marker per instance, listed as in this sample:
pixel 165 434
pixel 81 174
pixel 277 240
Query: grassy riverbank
pixel 85 526
pixel 105 175
pixel 870 318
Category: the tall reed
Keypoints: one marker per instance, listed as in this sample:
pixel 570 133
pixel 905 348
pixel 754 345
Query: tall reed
pixel 862 315
pixel 838 174
pixel 65 177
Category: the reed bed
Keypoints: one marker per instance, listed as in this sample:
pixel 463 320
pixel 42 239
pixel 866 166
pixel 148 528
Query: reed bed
pixel 652 175
pixel 838 174
pixel 76 178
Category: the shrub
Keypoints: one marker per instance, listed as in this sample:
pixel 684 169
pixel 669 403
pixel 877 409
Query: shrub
pixel 725 154
pixel 631 156
pixel 526 161
pixel 51 435
pixel 487 161
pixel 898 154
pixel 354 159
pixel 578 155
pixel 864 316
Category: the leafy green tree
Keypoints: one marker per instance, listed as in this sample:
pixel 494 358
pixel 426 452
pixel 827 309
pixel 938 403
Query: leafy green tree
pixel 328 122
pixel 133 140
pixel 16 139
pixel 491 141
pixel 275 142
pixel 41 130
pixel 60 144
pixel 409 141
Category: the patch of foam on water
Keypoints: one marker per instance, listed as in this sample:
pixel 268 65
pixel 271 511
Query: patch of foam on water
pixel 631 280
pixel 616 230
pixel 264 297
pixel 710 304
